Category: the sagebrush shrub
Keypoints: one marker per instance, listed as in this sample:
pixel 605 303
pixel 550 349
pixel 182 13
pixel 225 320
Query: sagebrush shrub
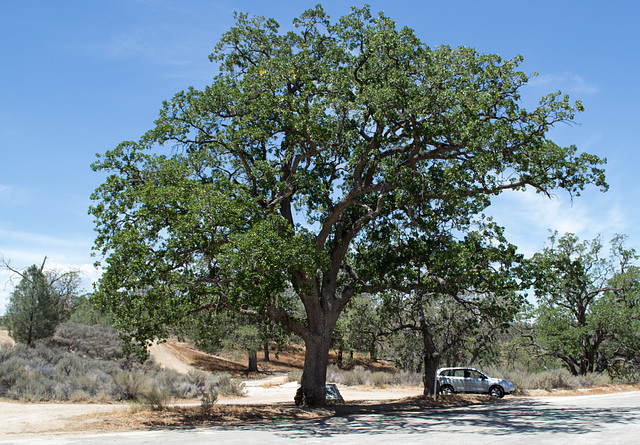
pixel 82 362
pixel 225 385
pixel 361 376
pixel 131 385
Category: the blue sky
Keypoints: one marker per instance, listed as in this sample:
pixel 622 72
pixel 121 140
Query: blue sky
pixel 77 77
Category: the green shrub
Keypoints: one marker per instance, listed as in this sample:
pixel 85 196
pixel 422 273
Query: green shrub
pixel 197 378
pixel 131 385
pixel 407 378
pixel 98 342
pixel 380 379
pixel 209 396
pixel 156 396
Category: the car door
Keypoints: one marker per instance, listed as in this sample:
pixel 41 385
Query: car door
pixel 459 380
pixel 476 381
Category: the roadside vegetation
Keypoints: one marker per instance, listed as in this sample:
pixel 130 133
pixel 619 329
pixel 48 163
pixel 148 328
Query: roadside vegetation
pixel 82 363
pixel 87 363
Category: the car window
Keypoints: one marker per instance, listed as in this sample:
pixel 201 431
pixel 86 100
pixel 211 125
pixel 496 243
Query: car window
pixel 475 374
pixel 459 372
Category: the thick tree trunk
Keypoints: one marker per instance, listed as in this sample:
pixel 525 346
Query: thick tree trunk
pixel 314 374
pixel 431 353
pixel 253 361
pixel 266 351
pixel 317 338
pixel 321 322
pixel 431 364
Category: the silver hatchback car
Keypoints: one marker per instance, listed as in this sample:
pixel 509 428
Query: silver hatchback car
pixel 452 380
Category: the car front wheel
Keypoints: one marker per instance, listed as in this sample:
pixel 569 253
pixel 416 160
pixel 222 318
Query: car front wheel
pixel 496 392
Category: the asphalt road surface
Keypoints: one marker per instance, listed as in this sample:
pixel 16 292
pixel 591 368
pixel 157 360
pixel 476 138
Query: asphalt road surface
pixel 602 419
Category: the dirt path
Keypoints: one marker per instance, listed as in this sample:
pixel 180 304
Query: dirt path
pixel 25 420
pixel 166 357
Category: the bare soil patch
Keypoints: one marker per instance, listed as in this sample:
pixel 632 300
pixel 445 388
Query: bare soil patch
pixel 194 417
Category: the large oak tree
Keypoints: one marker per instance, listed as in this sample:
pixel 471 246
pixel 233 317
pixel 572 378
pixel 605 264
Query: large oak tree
pixel 265 179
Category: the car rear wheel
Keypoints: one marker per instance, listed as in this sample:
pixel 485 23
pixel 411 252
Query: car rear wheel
pixel 496 392
pixel 447 390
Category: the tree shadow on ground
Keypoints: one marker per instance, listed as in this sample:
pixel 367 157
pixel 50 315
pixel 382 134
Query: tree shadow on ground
pixel 408 416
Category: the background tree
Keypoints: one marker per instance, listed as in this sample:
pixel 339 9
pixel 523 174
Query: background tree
pixel 82 311
pixel 32 313
pixel 224 330
pixel 64 287
pixel 587 314
pixel 264 179
pixel 41 300
pixel 455 294
pixel 359 329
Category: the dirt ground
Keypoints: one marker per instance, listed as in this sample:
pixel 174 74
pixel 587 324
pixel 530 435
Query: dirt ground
pixel 268 398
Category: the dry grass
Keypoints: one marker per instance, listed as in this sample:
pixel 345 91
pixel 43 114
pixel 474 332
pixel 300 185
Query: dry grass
pixel 204 361
pixel 4 337
pixel 593 390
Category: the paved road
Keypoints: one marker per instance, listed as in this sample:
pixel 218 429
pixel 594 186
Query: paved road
pixel 603 419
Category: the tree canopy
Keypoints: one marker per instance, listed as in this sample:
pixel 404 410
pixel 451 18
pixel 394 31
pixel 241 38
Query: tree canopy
pixel 304 144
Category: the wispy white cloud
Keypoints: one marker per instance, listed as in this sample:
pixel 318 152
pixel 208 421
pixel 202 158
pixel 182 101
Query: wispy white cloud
pixel 528 217
pixel 567 82
pixel 10 195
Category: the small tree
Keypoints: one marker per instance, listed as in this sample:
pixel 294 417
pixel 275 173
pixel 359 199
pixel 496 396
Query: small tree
pixel 40 301
pixel 83 312
pixel 32 313
pixel 219 329
pixel 359 328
